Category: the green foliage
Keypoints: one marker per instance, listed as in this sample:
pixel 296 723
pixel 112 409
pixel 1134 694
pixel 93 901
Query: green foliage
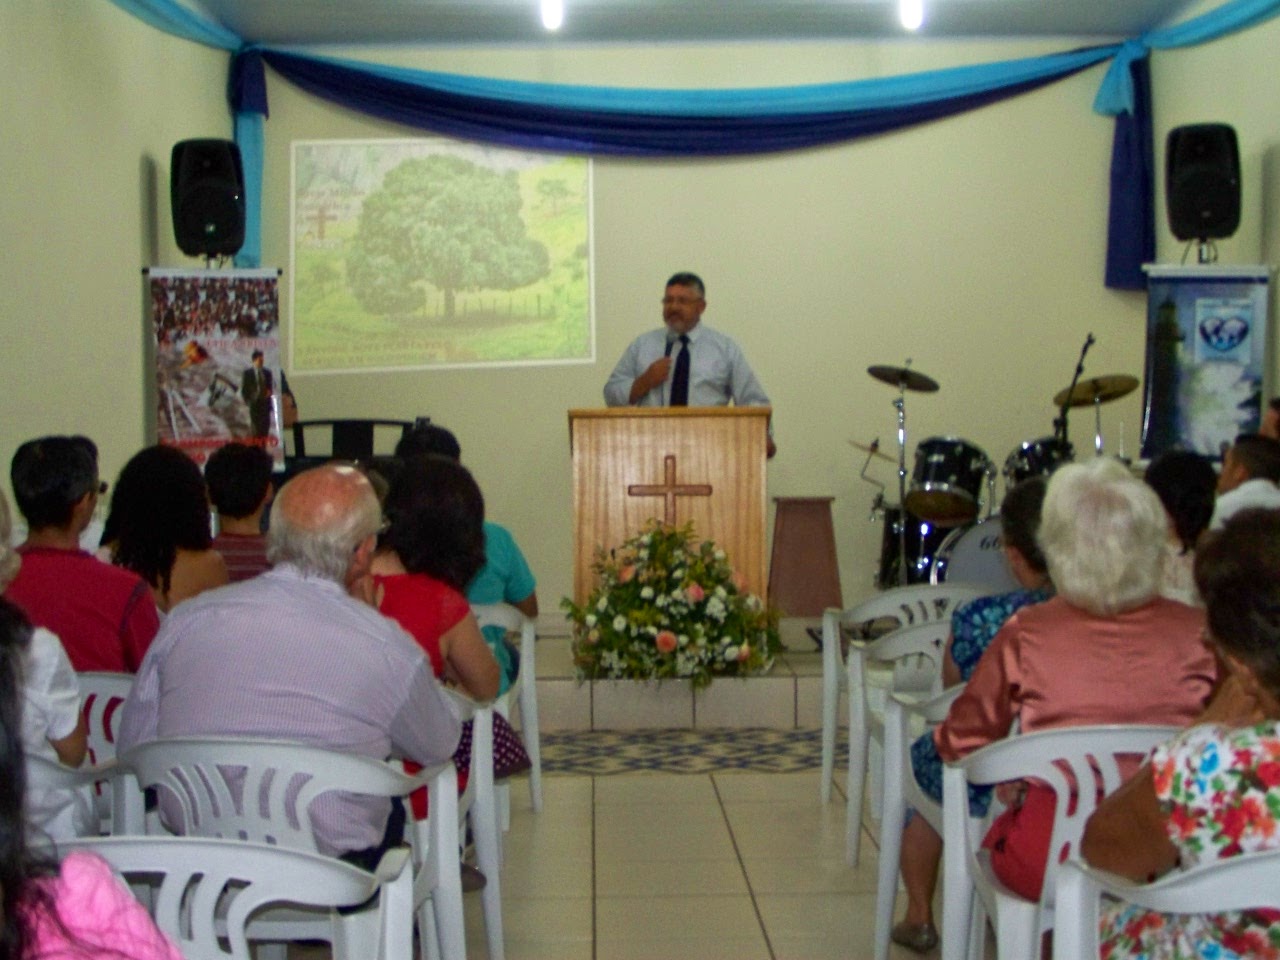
pixel 444 221
pixel 667 607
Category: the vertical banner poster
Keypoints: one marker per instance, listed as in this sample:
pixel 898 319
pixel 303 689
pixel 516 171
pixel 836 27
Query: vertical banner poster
pixel 1206 356
pixel 217 348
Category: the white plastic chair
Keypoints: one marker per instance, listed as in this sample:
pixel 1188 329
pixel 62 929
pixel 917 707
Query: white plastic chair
pixel 206 777
pixel 913 656
pixel 523 692
pixel 102 695
pixel 920 603
pixel 203 891
pixel 478 807
pixel 46 774
pixel 1061 758
pixel 903 720
pixel 1247 882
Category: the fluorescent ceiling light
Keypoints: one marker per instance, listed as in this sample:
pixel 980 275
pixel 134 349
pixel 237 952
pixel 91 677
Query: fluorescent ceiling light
pixel 552 14
pixel 910 12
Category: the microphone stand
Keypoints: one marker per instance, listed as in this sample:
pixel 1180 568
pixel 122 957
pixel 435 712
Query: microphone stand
pixel 1060 424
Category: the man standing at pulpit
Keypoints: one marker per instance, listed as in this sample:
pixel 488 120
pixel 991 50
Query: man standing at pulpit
pixel 686 364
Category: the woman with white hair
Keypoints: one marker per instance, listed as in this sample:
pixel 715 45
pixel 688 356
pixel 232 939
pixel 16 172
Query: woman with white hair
pixel 53 726
pixel 1106 649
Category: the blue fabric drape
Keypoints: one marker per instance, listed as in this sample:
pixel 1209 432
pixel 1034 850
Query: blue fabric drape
pixel 1131 227
pixel 530 125
pixel 602 120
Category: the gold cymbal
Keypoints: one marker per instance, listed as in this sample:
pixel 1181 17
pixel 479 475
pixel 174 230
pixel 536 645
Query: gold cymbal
pixel 904 378
pixel 1113 386
pixel 873 450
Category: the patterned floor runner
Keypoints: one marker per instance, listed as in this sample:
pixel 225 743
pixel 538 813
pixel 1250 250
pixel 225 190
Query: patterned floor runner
pixel 602 752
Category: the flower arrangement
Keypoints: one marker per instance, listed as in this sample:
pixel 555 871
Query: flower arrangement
pixel 668 607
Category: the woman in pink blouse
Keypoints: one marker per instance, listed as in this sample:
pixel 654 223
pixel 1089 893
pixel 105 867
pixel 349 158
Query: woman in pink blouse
pixel 1106 649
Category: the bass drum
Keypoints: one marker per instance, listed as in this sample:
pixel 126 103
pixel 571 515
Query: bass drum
pixel 974 554
pixel 922 540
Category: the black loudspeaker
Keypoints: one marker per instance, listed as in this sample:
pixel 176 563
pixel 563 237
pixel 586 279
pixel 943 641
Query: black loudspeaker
pixel 1202 181
pixel 206 195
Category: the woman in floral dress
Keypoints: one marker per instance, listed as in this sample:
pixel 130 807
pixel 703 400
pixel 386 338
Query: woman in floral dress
pixel 1214 790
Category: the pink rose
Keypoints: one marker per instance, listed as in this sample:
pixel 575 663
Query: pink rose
pixel 695 592
pixel 744 652
pixel 665 641
pixel 627 573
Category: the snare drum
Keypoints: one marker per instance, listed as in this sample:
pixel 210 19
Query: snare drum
pixel 1036 458
pixel 974 554
pixel 922 540
pixel 946 484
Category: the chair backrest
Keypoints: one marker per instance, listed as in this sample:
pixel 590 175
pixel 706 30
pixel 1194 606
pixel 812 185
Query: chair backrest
pixel 911 605
pixel 349 439
pixel 258 790
pixel 208 890
pixel 103 695
pixel 1083 763
pixel 510 620
pixel 915 652
pixel 1245 882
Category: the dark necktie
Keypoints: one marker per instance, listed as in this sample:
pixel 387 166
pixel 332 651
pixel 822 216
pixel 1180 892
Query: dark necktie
pixel 680 381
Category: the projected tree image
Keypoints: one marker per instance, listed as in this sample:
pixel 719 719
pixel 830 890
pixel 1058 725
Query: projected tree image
pixel 446 221
pixel 426 253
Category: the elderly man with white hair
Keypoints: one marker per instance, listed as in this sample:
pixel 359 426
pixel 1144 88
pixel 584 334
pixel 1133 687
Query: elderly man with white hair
pixel 292 655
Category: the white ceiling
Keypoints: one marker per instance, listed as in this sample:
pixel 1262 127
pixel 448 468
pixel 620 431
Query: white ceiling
pixel 664 21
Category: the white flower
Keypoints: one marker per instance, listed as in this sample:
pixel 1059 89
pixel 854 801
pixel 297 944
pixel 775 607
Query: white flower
pixel 619 622
pixel 730 655
pixel 660 601
pixel 716 609
pixel 591 619
pixel 678 574
pixel 719 554
pixel 721 592
pixel 602 604
pixel 683 639
pixel 646 593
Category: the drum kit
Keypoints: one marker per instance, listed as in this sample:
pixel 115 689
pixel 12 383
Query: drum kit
pixel 936 534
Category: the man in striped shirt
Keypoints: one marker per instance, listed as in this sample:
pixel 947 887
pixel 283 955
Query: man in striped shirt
pixel 293 655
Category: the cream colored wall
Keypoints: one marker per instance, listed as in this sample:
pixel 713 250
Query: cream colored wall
pixel 973 245
pixel 95 100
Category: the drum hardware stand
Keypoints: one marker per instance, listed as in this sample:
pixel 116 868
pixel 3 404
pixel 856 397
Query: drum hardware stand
pixel 1060 424
pixel 904 378
pixel 901 406
pixel 877 505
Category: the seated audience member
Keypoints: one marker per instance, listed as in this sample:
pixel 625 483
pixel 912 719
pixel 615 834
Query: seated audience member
pixel 1209 793
pixel 433 546
pixel 1250 472
pixel 1185 483
pixel 104 616
pixel 239 479
pixel 52 725
pixel 973 626
pixel 292 655
pixel 505 576
pixel 1270 426
pixel 1106 649
pixel 158 526
pixel 78 908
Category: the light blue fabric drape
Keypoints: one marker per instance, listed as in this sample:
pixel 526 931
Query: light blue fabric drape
pixel 1116 93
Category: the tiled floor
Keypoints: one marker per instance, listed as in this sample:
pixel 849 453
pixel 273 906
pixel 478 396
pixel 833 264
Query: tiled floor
pixel 649 866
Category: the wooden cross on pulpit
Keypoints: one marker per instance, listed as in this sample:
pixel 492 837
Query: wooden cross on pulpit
pixel 669 489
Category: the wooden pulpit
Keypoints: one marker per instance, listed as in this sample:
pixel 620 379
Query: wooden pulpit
pixel 704 465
